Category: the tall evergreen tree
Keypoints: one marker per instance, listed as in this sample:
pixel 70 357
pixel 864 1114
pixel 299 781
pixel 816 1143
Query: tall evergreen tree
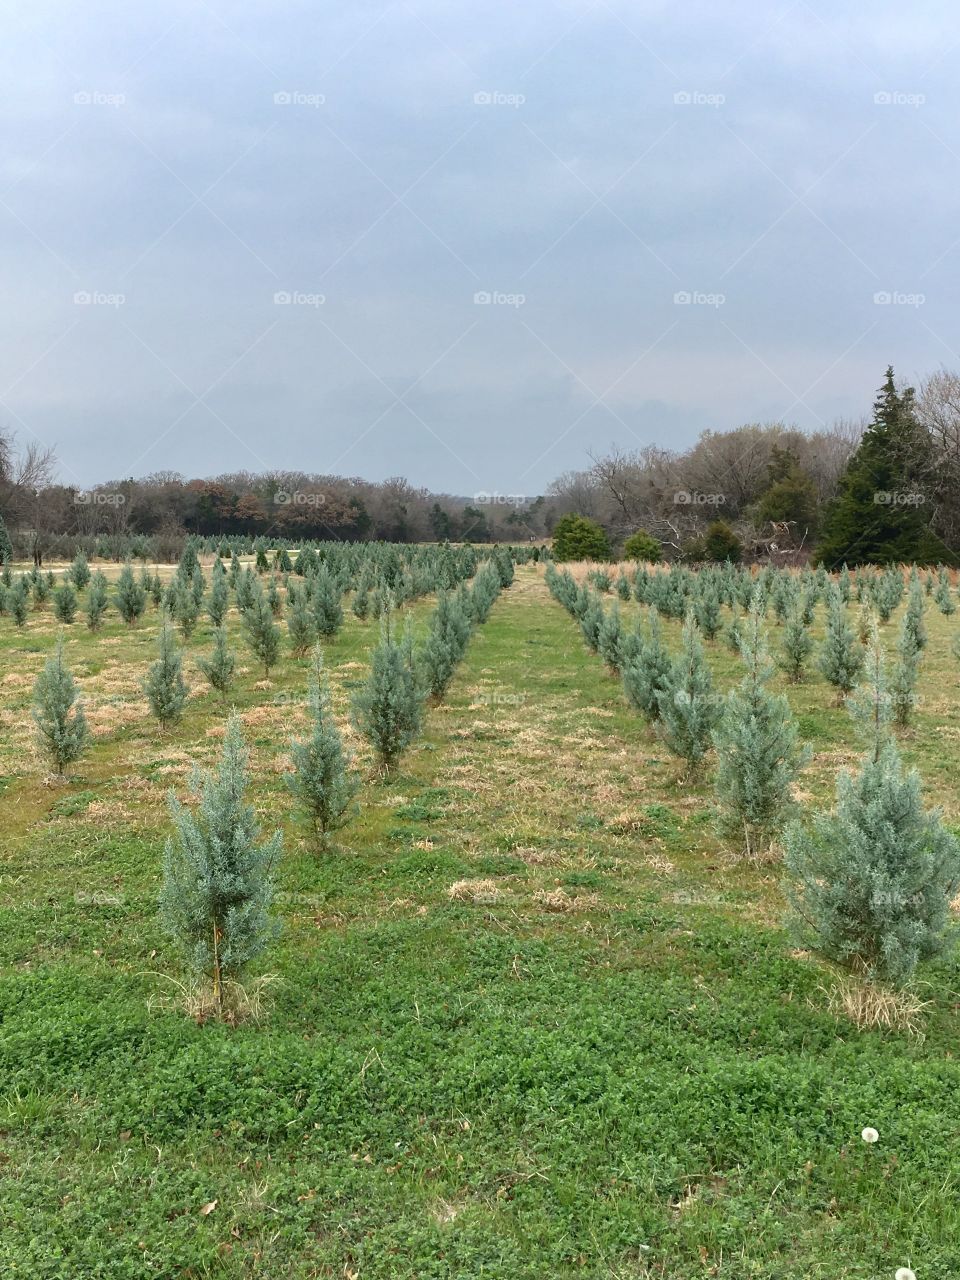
pixel 62 731
pixel 322 780
pixel 6 546
pixel 217 877
pixel 879 515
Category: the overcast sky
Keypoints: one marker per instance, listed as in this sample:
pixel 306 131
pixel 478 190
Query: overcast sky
pixel 172 171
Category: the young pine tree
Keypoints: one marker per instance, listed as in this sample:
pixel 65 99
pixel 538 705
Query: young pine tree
pixel 870 885
pixel 263 634
pixel 164 686
pixel 646 670
pixel 322 781
pixel 797 646
pixel 610 639
pixel 906 671
pixel 841 657
pixel 300 624
pixel 688 706
pixel 95 604
pixel 18 601
pixel 325 600
pixel 217 879
pixel 218 668
pixel 62 731
pixel 218 601
pixel 758 753
pixel 65 603
pixel 130 598
pixel 388 710
pixel 79 571
pixel 443 647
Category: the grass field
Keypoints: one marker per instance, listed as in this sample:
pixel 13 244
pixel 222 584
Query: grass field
pixel 530 1019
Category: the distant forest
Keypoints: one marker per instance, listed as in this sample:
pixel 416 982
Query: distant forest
pixel 775 486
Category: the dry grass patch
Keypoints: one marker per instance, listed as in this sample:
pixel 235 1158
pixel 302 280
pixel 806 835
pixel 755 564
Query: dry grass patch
pixel 557 900
pixel 479 892
pixel 870 1008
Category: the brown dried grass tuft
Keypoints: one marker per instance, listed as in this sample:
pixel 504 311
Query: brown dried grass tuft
pixel 480 892
pixel 871 1007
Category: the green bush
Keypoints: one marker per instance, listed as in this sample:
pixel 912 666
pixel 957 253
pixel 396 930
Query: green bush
pixel 577 538
pixel 642 546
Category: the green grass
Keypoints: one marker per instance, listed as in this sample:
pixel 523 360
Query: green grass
pixel 647 1084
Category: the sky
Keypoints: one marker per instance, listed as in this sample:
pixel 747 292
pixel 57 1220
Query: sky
pixel 467 243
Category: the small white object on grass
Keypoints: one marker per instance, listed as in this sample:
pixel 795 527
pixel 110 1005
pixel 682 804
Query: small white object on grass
pixel 904 1273
pixel 871 1135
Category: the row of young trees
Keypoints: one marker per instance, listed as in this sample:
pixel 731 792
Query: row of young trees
pixel 217 883
pixel 870 883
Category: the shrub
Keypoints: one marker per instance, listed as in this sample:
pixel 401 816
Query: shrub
pixel 642 546
pixel 322 781
pixel 577 538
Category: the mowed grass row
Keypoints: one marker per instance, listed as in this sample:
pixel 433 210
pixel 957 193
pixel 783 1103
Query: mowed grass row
pixel 530 1019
